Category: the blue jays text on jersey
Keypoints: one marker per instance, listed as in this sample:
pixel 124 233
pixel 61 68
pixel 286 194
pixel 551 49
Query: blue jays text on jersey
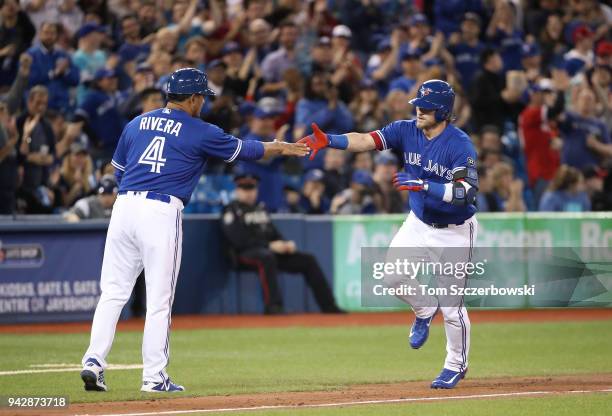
pixel 165 151
pixel 432 160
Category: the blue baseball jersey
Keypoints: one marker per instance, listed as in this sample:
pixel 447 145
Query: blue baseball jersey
pixel 433 160
pixel 165 151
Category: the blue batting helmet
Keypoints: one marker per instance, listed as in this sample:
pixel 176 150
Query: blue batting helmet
pixel 436 95
pixel 188 81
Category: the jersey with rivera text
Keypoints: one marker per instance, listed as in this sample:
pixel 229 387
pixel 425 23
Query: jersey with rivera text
pixel 432 160
pixel 165 151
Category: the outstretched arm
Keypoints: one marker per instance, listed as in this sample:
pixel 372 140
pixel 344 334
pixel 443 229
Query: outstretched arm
pixel 353 142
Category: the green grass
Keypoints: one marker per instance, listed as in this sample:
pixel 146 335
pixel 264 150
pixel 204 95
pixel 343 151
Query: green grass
pixel 229 361
pixel 569 405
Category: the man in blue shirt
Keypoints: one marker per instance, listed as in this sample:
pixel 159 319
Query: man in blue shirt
pixel 411 66
pixel 583 134
pixel 468 49
pixel 268 171
pixel 100 115
pixel 158 161
pixel 440 173
pixel 53 68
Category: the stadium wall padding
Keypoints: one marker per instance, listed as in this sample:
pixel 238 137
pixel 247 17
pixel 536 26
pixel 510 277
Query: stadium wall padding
pixel 49 270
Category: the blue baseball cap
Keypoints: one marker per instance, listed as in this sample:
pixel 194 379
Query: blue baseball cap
pixel 362 177
pixel 268 107
pixel 367 84
pixel 419 19
pixel 216 63
pixel 144 67
pixel 410 54
pixel 530 50
pixel 574 65
pixel 231 47
pixel 383 45
pixel 314 175
pixel 247 108
pixel 264 113
pixel 104 73
pixel 107 185
pixel 88 28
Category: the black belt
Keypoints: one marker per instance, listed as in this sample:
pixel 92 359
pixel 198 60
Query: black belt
pixel 150 195
pixel 437 225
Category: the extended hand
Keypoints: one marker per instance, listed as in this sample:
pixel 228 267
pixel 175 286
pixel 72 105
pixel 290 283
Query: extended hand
pixel 316 141
pixel 405 182
pixel 293 149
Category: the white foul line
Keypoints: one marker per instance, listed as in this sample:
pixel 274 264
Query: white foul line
pixel 354 403
pixel 65 368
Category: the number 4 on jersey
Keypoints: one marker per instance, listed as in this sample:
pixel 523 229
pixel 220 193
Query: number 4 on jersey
pixel 154 154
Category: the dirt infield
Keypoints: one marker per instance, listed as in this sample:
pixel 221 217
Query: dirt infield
pixel 348 395
pixel 319 320
pixel 353 395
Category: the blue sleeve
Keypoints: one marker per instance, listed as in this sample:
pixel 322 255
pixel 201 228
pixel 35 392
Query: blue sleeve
pixel 391 135
pixel 548 202
pixel 38 73
pixel 301 113
pixel 72 76
pixel 253 150
pixel 605 134
pixel 464 157
pixel 586 202
pixel 344 123
pixel 120 156
pixel 89 106
pixel 217 143
pixel 269 73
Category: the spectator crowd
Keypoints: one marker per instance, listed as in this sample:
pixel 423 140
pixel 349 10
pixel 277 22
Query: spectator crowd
pixel 532 79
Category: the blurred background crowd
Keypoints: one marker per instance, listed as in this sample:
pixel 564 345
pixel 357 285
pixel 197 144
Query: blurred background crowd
pixel 532 78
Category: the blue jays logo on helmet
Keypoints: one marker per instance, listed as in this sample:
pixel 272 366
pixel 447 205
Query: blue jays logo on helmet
pixel 425 91
pixel 188 81
pixel 436 95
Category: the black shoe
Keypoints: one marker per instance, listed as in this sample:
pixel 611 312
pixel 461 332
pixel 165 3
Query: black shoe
pixel 274 310
pixel 335 310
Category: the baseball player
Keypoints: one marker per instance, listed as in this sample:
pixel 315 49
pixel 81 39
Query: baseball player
pixel 158 161
pixel 440 173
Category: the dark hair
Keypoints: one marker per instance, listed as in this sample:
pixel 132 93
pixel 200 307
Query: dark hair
pixel 180 59
pixel 52 114
pixel 308 91
pixel 286 23
pixel 178 98
pixel 147 92
pixel 50 23
pixel 128 17
pixel 565 178
pixel 490 128
pixel 486 54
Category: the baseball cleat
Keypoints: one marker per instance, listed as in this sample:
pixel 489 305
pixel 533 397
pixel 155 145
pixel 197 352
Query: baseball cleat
pixel 163 387
pixel 448 379
pixel 93 376
pixel 420 331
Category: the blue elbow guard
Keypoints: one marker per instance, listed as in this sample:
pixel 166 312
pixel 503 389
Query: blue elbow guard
pixel 463 194
pixel 469 175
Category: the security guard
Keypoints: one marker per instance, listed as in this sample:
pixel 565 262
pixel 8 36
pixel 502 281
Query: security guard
pixel 257 244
